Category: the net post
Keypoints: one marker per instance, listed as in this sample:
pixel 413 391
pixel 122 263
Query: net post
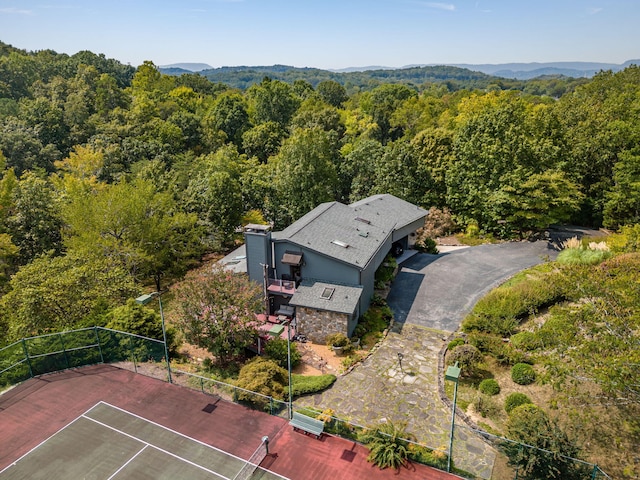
pixel 265 440
pixel 95 330
pixel 26 356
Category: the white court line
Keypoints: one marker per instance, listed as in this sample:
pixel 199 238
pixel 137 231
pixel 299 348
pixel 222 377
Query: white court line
pixel 167 428
pixel 84 415
pixel 49 438
pixel 158 448
pixel 128 462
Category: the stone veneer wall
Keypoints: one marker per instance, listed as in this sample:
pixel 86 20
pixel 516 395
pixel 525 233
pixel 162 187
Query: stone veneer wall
pixel 316 325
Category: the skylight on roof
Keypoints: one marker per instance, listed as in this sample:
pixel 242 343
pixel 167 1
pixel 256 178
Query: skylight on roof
pixel 363 220
pixel 327 293
pixel 340 243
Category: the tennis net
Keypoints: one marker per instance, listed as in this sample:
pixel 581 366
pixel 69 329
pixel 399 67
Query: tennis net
pixel 253 463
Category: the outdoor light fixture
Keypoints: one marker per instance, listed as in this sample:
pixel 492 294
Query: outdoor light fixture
pixel 452 374
pixel 143 300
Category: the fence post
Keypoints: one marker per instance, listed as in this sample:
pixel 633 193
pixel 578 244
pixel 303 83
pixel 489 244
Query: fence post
pixel 201 385
pixel 95 329
pixel 64 350
pixel 26 356
pixel 594 475
pixel 270 405
pixel 133 357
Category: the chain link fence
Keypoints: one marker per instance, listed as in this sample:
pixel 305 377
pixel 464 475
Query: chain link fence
pixel 54 352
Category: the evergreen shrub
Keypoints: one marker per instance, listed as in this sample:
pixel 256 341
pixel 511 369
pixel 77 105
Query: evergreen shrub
pixel 514 400
pixel 523 374
pixel 489 386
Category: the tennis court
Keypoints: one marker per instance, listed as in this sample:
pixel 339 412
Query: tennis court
pixel 107 442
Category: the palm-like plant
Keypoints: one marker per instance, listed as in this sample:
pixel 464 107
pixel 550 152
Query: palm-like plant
pixel 387 445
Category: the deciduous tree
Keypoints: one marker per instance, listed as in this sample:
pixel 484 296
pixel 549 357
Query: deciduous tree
pixel 216 310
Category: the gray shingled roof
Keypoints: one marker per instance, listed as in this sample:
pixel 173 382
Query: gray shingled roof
pixel 344 298
pixel 362 226
pixel 236 261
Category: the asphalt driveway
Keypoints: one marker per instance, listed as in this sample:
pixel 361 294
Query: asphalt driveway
pixel 437 291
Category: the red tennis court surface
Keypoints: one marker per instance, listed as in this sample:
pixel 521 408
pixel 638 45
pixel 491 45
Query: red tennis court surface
pixel 36 409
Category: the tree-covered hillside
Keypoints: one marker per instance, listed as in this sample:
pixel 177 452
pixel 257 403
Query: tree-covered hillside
pixel 453 78
pixel 145 172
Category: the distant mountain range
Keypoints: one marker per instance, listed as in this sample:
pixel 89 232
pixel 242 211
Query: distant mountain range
pixel 188 67
pixel 518 71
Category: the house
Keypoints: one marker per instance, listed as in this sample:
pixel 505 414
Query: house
pixel 322 267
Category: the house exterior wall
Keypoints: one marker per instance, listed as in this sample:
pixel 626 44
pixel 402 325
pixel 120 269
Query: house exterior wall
pixel 405 231
pixel 367 276
pixel 316 325
pixel 316 266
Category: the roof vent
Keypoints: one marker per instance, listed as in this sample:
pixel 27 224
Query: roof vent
pixel 340 243
pixel 364 234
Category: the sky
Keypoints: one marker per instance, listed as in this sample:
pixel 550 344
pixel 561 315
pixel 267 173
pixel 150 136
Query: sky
pixel 328 34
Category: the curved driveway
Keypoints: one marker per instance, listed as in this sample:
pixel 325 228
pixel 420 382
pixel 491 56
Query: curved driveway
pixel 437 291
pixel 433 291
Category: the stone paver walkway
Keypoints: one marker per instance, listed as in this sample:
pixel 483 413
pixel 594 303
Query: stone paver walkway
pixel 380 389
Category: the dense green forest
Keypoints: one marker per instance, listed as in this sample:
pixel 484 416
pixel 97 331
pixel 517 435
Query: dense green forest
pixel 453 78
pixel 114 177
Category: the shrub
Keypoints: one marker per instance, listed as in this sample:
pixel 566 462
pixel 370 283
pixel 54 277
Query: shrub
pixel 306 384
pixel 434 458
pixel 523 374
pixel 472 230
pixel 468 358
pixel 427 245
pixel 514 400
pixel 501 310
pixel 485 405
pixel 628 240
pixel 455 342
pixel 486 343
pixel 489 386
pixel 276 350
pixel 351 360
pixel 579 256
pixel 378 301
pixel 508 355
pixel 387 445
pixel 340 340
pixel 262 376
pixel 438 223
pixel 477 322
pixel 386 270
pixel 528 341
pixel 530 425
pixel 371 325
